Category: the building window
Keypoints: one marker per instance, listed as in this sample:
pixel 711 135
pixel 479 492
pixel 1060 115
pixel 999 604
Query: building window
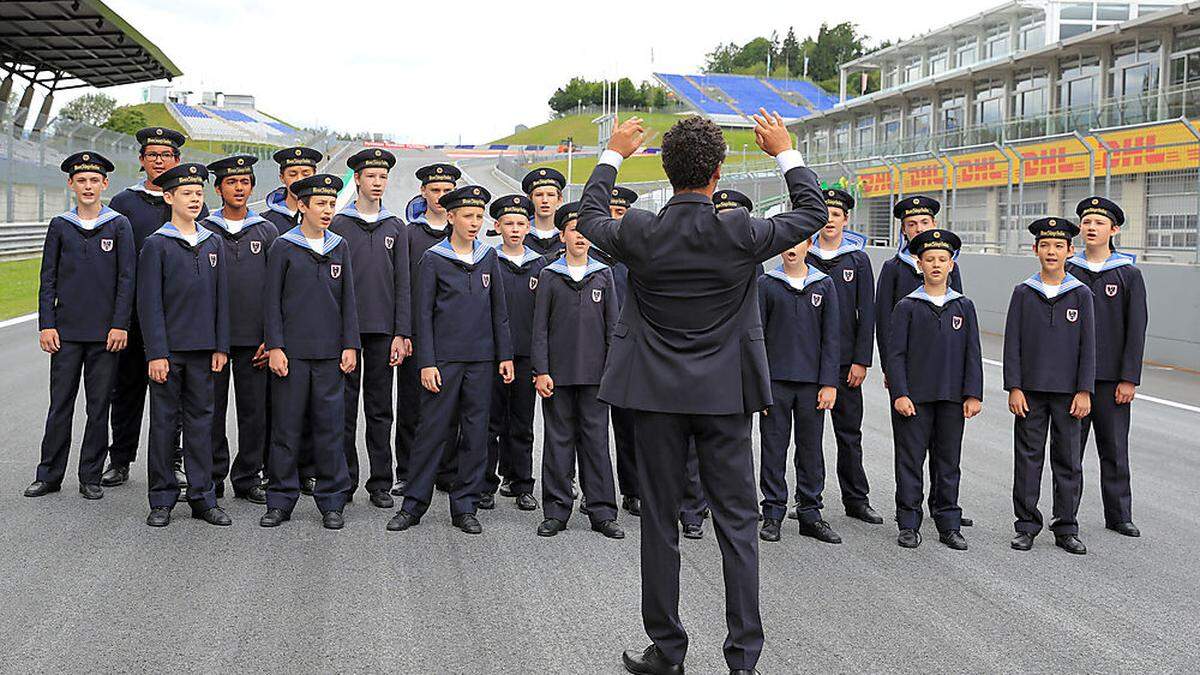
pixel 891 75
pixel 995 43
pixel 965 52
pixel 1171 210
pixel 912 69
pixel 1070 30
pixel 1112 12
pixel 890 126
pixel 1032 33
pixel 1077 11
pixel 939 61
pixel 989 103
pixel 951 117
pixel 865 132
pixel 1029 93
pixel 820 143
pixel 919 119
pixel 841 137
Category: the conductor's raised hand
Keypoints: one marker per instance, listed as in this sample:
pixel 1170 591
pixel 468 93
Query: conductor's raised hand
pixel 771 133
pixel 628 137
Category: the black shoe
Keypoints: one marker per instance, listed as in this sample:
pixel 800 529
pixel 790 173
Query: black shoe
pixel 220 490
pixel 487 501
pixel 527 502
pixel 610 529
pixel 274 518
pixel 1070 543
pixel 1023 541
pixel 550 527
pixel 966 522
pixel 467 522
pixel 953 539
pixel 693 531
pixel 402 521
pixel 909 538
pixel 506 489
pixel 820 530
pixel 769 530
pixel 91 491
pixel 114 475
pixel 865 513
pixel 1127 529
pixel 40 488
pixel 255 495
pixel 333 520
pixel 308 486
pixel 214 516
pixel 632 505
pixel 399 487
pixel 382 500
pixel 743 671
pixel 649 661
pixel 160 516
pixel 583 505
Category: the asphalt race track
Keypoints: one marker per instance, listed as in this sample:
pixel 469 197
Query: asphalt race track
pixel 88 587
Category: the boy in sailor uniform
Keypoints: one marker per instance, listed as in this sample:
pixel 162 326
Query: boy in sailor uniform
pixel 1119 294
pixel 1049 374
pixel 462 341
pixel 936 384
pixel 312 341
pixel 183 305
pixel 544 186
pixel 800 322
pixel 85 299
pixel 246 237
pixel 575 312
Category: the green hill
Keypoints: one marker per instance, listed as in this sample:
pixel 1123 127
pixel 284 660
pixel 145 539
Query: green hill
pixel 580 127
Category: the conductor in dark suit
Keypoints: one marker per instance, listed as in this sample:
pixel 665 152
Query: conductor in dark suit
pixel 687 356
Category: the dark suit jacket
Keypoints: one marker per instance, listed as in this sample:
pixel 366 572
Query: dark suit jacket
pixel 690 338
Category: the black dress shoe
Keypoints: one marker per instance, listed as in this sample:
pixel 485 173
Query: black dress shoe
pixel 527 502
pixel 114 475
pixel 382 500
pixel 487 501
pixel 742 671
pixel 550 527
pixel 865 513
pixel 274 518
pixel 909 538
pixel 40 488
pixel 649 661
pixel 160 516
pixel 399 486
pixel 1127 529
pixel 632 505
pixel 610 529
pixel 769 530
pixel 255 495
pixel 966 522
pixel 91 491
pixel 953 539
pixel 333 520
pixel 1070 543
pixel 467 522
pixel 402 521
pixel 308 486
pixel 820 530
pixel 506 489
pixel 214 516
pixel 693 531
pixel 1023 541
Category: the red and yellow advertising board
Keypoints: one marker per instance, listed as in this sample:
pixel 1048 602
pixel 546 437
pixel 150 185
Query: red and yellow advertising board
pixel 1162 147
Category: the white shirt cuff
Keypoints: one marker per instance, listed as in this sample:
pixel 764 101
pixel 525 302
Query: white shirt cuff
pixel 788 160
pixel 613 159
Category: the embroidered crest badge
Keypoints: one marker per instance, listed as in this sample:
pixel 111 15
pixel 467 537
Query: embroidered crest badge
pixel 848 275
pixel 597 294
pixel 256 247
pixel 1072 315
pixel 389 242
pixel 335 270
pixel 956 322
pixel 817 298
pixel 106 245
pixel 212 259
pixel 1110 290
pixel 487 279
pixel 533 283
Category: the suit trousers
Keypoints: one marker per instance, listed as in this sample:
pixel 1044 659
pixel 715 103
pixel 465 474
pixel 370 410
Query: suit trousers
pixel 97 366
pixel 1047 412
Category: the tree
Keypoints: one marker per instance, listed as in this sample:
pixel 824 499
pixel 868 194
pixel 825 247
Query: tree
pixel 833 47
pixel 790 54
pixel 720 59
pixel 125 120
pixel 754 53
pixel 94 109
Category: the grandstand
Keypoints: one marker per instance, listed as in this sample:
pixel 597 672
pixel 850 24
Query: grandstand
pixel 216 123
pixel 730 99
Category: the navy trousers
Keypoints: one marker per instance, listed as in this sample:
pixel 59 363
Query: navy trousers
pixel 1047 412
pixel 408 413
pixel 695 505
pixel 622 425
pixel 128 399
pixel 186 399
pixel 250 400
pixel 792 402
pixel 1111 422
pixel 312 392
pixel 510 431
pixel 577 430
pixel 936 430
pixel 97 366
pixel 847 417
pixel 374 377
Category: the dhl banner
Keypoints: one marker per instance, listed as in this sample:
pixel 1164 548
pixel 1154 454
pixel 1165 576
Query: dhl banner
pixel 1163 147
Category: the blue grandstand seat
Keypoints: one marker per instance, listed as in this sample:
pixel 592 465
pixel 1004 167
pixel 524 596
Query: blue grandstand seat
pixel 697 98
pixel 231 115
pixel 281 127
pixel 189 111
pixel 818 97
pixel 751 94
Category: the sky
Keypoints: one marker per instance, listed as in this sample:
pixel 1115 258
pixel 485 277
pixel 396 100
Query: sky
pixel 468 71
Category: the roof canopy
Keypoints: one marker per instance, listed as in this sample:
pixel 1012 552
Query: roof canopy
pixel 76 43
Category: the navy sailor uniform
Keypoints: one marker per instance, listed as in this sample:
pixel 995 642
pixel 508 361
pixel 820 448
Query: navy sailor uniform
pixel 310 314
pixel 572 324
pixel 86 290
pixel 1050 355
pixel 1119 296
pixel 937 363
pixel 382 288
pixel 183 305
pixel 801 328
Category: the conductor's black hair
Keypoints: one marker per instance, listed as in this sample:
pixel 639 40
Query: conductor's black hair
pixel 692 150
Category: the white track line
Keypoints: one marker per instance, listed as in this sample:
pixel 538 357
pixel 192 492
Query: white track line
pixel 18 319
pixel 1140 396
